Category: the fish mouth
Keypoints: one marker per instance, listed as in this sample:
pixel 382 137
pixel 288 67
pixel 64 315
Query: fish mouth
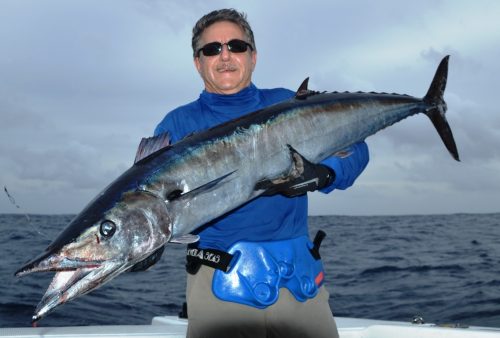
pixel 67 285
pixel 73 278
pixel 53 262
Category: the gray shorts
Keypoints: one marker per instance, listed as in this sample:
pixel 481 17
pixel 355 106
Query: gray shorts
pixel 210 317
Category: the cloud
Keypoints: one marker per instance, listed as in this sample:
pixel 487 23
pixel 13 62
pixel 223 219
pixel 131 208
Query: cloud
pixel 83 81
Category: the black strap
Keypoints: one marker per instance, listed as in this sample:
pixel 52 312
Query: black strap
pixel 320 235
pixel 216 259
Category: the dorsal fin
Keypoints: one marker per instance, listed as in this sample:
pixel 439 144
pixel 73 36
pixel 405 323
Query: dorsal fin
pixel 304 85
pixel 302 91
pixel 150 145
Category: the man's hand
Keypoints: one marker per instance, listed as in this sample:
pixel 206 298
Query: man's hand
pixel 310 177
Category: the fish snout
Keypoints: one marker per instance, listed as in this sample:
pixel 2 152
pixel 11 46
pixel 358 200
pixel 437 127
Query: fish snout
pixel 55 262
pixel 40 263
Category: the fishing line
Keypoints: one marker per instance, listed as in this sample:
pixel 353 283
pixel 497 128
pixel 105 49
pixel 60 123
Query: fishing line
pixel 13 201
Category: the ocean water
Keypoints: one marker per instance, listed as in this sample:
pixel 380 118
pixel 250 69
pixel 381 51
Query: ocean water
pixel 445 268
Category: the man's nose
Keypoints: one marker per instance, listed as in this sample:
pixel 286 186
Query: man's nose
pixel 225 54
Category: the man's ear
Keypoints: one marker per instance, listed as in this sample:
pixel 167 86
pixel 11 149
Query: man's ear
pixel 197 63
pixel 254 59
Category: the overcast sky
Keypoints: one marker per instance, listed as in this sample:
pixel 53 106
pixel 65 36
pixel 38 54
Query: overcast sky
pixel 82 81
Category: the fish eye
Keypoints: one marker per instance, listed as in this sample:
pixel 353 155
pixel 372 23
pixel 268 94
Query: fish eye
pixel 107 229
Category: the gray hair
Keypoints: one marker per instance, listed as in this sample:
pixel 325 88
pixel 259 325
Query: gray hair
pixel 230 15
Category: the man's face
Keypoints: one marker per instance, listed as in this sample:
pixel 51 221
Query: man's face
pixel 226 73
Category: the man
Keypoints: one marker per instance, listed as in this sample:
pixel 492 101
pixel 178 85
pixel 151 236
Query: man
pixel 225 56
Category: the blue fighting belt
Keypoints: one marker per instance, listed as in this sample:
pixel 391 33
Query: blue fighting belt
pixel 259 269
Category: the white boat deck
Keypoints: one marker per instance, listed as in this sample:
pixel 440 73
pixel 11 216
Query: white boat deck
pixel 170 326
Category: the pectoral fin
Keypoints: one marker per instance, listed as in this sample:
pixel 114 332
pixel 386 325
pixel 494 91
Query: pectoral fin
pixel 177 194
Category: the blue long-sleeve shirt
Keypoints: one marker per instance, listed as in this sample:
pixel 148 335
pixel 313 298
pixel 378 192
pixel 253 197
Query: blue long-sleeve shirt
pixel 268 217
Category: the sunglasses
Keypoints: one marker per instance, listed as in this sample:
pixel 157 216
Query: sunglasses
pixel 215 48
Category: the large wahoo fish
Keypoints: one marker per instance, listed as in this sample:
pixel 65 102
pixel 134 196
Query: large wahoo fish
pixel 173 189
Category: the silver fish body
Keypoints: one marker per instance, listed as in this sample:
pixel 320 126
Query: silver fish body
pixel 170 192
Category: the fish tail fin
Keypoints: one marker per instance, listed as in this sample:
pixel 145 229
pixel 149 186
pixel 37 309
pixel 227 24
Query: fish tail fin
pixel 437 107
